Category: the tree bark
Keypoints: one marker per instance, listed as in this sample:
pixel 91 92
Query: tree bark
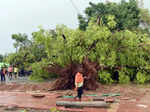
pixel 96 104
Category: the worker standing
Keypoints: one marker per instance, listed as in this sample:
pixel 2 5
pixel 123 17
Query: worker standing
pixel 79 80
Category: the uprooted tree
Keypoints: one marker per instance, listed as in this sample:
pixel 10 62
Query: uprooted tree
pixel 105 56
pixel 116 49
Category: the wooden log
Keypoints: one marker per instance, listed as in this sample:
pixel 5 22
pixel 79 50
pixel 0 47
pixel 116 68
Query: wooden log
pixel 95 104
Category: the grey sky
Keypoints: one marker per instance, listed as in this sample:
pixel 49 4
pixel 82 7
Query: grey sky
pixel 24 16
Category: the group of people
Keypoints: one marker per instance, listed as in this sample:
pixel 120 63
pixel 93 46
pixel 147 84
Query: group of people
pixel 10 72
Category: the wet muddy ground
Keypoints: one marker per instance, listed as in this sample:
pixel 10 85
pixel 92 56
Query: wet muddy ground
pixel 5 109
pixel 15 96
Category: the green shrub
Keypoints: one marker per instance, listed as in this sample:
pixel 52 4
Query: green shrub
pixel 141 78
pixel 123 78
pixel 105 77
pixel 39 73
pixel 148 78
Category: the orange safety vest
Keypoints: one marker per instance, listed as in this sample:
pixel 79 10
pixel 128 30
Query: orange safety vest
pixel 79 78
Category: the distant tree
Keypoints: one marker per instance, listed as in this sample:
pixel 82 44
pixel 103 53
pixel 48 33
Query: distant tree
pixel 21 40
pixel 1 57
pixel 145 18
pixel 126 14
pixel 28 51
pixel 83 22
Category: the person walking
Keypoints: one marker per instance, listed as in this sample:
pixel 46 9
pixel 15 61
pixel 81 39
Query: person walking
pixel 3 72
pixel 10 72
pixel 16 72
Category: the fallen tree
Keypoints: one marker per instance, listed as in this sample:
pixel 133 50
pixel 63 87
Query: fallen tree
pixel 96 104
pixel 103 55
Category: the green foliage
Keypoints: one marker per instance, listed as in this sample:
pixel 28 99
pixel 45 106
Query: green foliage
pixel 83 23
pixel 126 13
pixel 27 51
pixel 54 109
pixel 123 78
pixel 1 58
pixel 105 77
pixel 24 110
pixel 67 50
pixel 141 77
pixel 21 40
pixel 39 71
pixel 111 21
pixel 126 49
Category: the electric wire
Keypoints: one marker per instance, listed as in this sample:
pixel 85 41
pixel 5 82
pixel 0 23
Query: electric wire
pixel 74 6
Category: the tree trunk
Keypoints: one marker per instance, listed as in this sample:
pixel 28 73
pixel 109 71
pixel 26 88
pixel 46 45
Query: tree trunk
pixel 96 104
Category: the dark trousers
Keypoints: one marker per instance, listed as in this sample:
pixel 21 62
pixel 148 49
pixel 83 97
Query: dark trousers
pixel 2 77
pixel 80 92
pixel 10 75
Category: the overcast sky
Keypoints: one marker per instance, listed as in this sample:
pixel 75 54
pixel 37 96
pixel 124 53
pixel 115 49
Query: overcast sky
pixel 24 16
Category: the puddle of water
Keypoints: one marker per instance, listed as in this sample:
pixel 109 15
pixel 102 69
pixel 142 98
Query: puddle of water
pixel 141 105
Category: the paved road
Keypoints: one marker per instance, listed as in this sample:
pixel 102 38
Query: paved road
pixel 18 80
